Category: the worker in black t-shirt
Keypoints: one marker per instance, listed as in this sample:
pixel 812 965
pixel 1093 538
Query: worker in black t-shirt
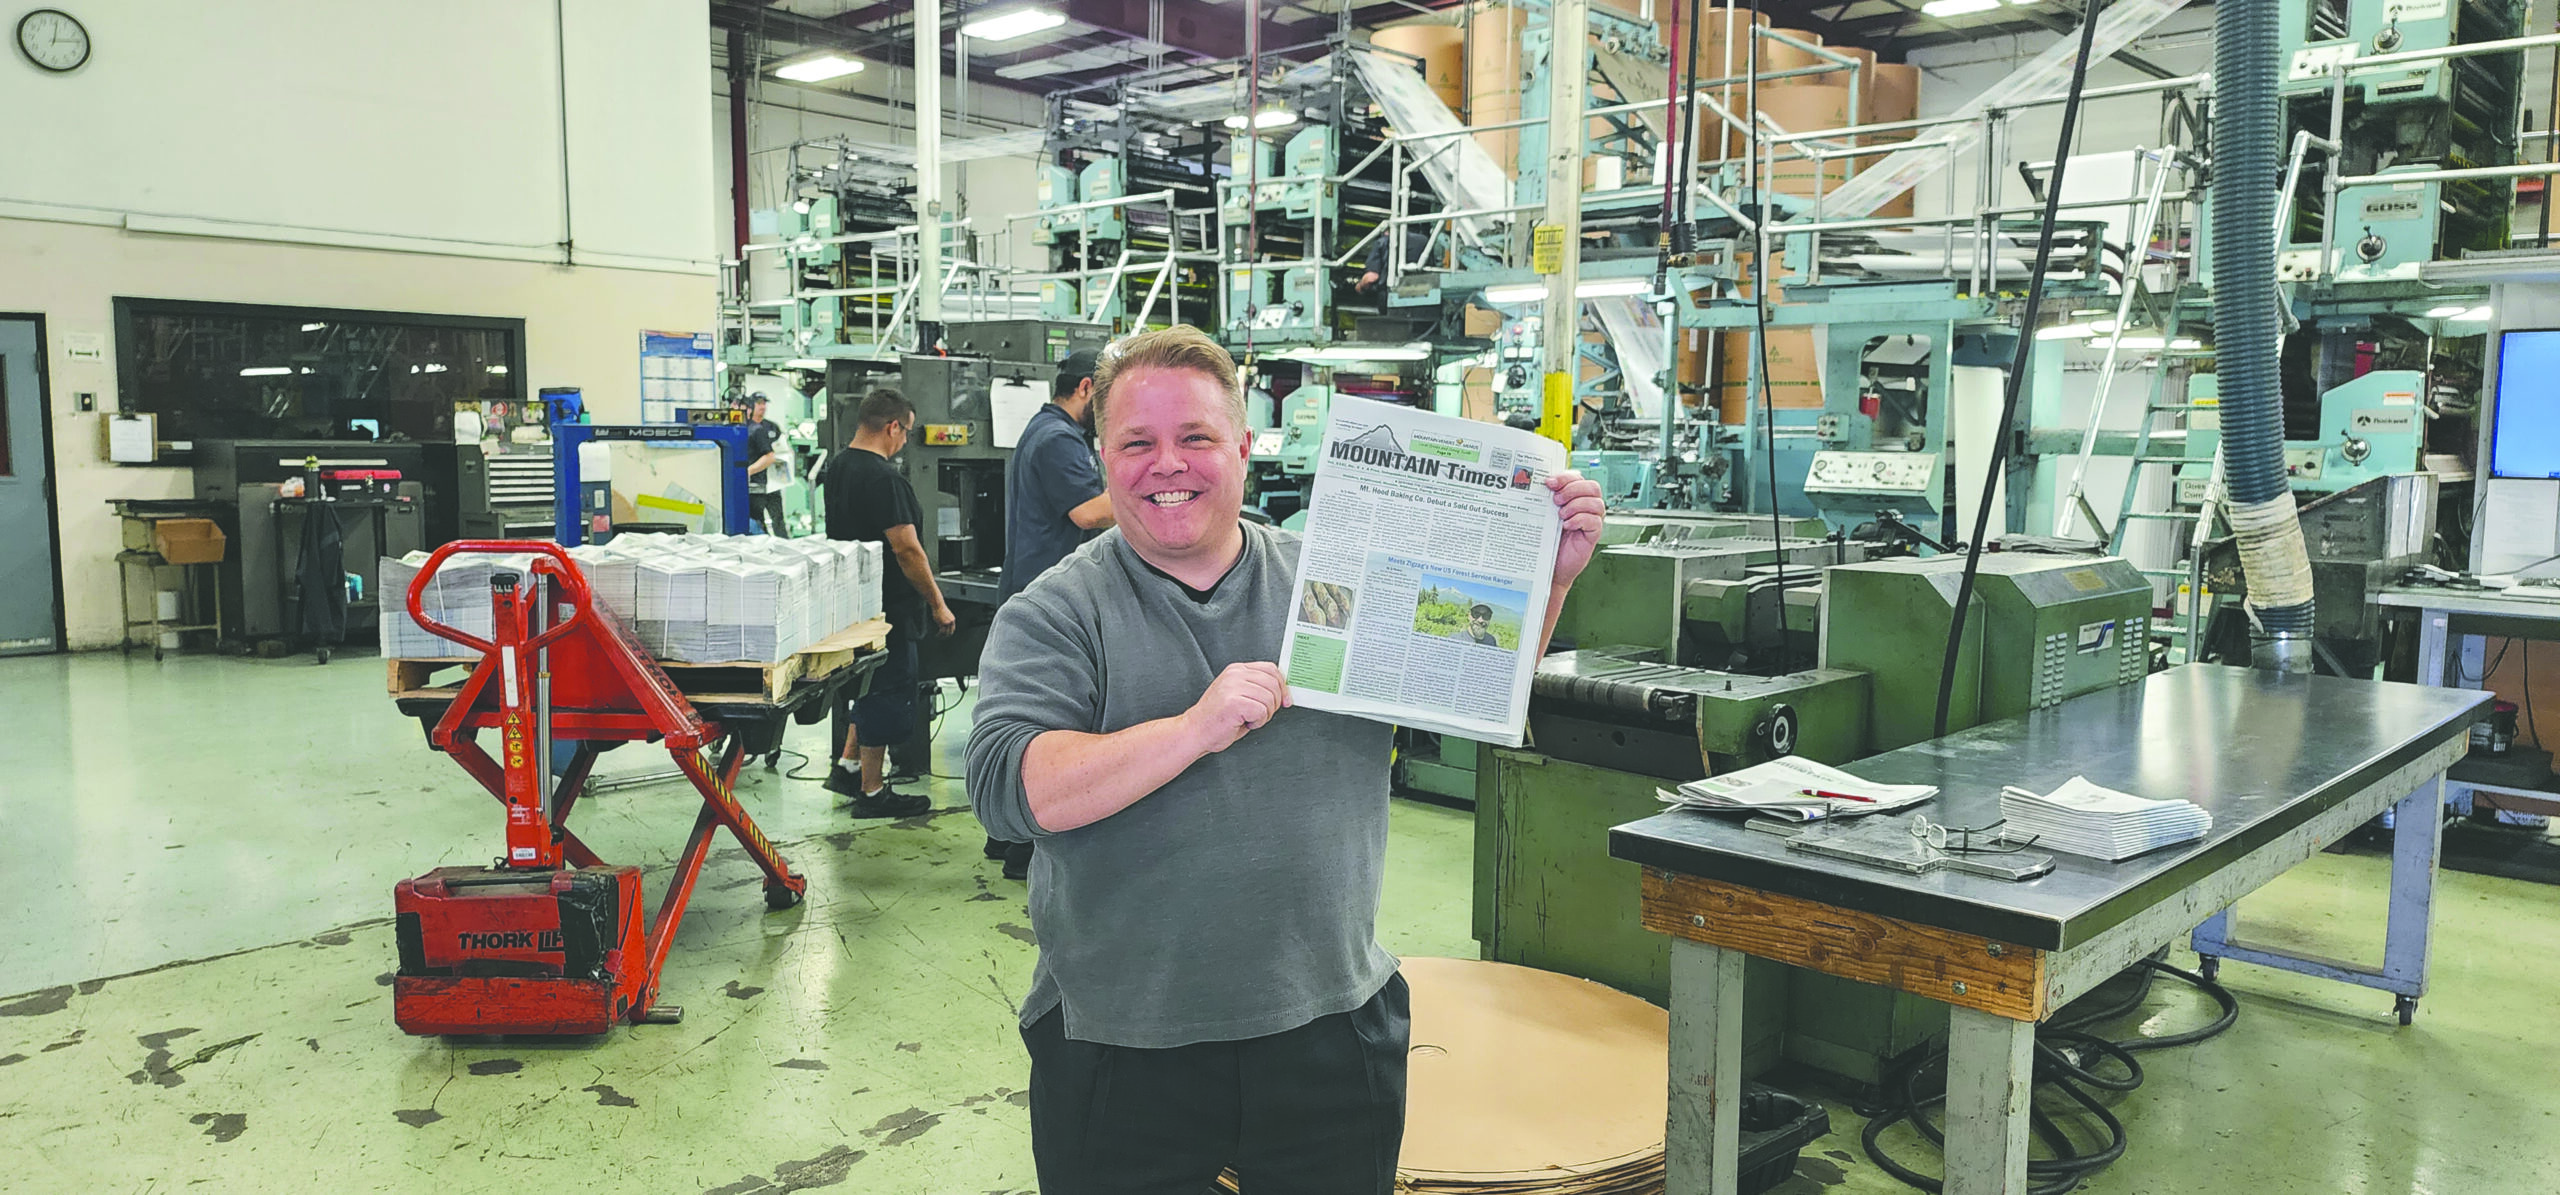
pixel 868 499
pixel 764 452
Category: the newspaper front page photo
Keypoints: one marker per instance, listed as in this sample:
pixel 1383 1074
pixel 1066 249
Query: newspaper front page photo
pixel 1430 549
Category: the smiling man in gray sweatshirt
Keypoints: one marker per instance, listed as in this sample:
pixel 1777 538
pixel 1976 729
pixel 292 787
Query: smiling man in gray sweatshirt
pixel 1210 992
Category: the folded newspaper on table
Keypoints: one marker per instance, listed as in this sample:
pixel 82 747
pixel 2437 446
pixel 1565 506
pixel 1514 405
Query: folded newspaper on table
pixel 2087 819
pixel 1797 788
pixel 1422 589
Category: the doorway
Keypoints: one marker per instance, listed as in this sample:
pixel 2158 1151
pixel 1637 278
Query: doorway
pixel 30 556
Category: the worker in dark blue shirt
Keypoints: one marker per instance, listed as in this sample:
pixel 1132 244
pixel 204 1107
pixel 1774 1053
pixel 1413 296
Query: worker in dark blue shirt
pixel 1053 486
pixel 1053 503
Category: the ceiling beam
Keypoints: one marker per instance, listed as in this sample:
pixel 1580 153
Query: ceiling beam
pixel 1191 26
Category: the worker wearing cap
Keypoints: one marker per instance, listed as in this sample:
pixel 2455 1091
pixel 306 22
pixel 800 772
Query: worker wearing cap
pixel 1210 992
pixel 1053 499
pixel 1053 503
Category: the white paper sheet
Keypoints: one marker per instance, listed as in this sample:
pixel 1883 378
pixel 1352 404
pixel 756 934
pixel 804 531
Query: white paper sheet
pixel 1013 405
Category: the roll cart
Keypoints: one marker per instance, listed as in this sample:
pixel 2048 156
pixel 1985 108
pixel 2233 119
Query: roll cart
pixel 549 939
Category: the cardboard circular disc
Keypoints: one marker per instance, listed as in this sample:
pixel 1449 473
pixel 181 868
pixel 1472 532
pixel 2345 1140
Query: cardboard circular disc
pixel 1515 1072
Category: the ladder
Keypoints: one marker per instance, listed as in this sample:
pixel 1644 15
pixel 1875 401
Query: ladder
pixel 2075 503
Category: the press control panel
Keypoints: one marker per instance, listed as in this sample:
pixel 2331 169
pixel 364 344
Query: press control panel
pixel 1880 473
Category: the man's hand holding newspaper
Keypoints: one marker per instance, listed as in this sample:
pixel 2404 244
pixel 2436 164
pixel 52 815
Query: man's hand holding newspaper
pixel 1437 556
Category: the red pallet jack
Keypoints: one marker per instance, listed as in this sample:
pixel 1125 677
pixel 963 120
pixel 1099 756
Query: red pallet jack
pixel 549 939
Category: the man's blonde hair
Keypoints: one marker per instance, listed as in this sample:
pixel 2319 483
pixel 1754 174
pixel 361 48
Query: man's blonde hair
pixel 1181 347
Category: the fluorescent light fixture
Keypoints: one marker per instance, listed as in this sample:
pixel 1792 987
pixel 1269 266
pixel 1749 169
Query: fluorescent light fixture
pixel 432 368
pixel 2478 314
pixel 1609 288
pixel 1600 288
pixel 2445 312
pixel 2154 343
pixel 497 369
pixel 2065 332
pixel 266 371
pixel 1415 351
pixel 313 327
pixel 1006 26
pixel 1268 118
pixel 1957 8
pixel 818 69
pixel 307 369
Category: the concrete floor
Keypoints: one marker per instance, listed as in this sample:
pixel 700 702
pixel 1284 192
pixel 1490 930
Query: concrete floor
pixel 201 854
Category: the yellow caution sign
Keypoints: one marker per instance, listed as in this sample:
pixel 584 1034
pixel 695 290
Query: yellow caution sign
pixel 1546 249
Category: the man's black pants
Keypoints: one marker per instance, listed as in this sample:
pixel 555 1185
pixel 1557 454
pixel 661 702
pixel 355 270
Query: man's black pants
pixel 1316 1110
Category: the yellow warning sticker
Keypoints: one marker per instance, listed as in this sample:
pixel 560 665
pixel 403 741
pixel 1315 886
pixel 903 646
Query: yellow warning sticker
pixel 1546 249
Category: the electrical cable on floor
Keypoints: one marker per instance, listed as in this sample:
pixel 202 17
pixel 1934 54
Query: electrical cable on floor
pixel 2016 380
pixel 2067 1059
pixel 805 761
pixel 933 732
pixel 933 727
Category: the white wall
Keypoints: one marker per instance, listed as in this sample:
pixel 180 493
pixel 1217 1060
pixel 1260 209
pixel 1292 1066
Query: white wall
pixel 319 120
pixel 353 153
pixel 1952 75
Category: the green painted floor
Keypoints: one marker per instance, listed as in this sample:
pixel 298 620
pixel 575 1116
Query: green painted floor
pixel 200 854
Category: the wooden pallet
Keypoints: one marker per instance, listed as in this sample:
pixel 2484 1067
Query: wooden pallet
pixel 745 681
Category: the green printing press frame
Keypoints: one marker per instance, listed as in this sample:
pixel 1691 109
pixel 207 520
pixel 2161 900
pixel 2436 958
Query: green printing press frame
pixel 1612 724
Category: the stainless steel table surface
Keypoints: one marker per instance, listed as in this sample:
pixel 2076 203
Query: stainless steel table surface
pixel 2262 753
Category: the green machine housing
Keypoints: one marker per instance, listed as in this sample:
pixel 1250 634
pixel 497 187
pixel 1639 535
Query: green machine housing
pixel 1612 725
pixel 1699 597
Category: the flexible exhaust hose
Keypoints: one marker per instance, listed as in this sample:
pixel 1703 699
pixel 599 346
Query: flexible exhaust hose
pixel 2248 136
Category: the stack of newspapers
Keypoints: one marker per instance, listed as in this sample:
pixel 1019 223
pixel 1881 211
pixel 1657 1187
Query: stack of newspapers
pixel 2086 819
pixel 695 599
pixel 1796 788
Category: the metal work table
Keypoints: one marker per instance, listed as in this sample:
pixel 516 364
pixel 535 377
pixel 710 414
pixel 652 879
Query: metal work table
pixel 2454 626
pixel 2286 765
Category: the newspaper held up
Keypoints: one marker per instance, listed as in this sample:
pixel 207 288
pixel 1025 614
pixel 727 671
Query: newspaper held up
pixel 1422 590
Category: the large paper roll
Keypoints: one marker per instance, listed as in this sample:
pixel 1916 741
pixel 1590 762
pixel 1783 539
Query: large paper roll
pixel 1443 51
pixel 1778 56
pixel 1493 79
pixel 1805 110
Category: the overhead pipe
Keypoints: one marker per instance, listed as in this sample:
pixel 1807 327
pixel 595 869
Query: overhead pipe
pixel 928 47
pixel 739 74
pixel 2248 145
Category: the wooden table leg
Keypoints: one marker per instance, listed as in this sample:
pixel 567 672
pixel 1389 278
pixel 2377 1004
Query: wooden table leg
pixel 1989 1064
pixel 1703 1139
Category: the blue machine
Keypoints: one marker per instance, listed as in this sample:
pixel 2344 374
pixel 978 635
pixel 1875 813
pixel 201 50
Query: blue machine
pixel 2525 441
pixel 575 509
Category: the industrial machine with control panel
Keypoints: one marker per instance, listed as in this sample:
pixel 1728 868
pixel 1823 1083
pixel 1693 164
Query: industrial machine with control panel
pixel 1611 724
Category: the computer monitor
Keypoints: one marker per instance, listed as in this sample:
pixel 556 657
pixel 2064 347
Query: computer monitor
pixel 2524 438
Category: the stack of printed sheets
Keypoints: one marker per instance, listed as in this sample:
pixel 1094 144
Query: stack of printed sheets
pixel 695 599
